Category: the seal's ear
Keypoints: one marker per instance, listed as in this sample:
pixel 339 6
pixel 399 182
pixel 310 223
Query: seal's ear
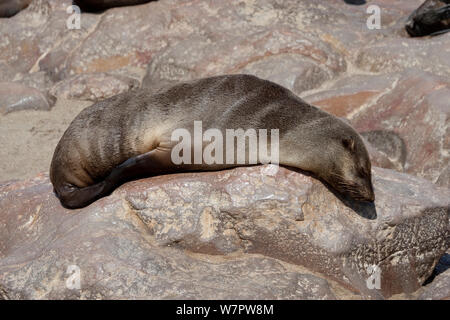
pixel 349 143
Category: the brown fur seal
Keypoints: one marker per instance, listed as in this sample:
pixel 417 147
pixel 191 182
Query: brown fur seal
pixel 99 5
pixel 431 18
pixel 129 136
pixel 9 8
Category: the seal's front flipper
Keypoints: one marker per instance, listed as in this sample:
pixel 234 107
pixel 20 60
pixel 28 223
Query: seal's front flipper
pixel 152 163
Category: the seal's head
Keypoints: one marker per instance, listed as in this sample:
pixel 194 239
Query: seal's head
pixel 344 162
pixel 351 171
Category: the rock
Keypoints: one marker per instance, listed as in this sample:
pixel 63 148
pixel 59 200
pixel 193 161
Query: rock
pixel 178 235
pixel 16 97
pixel 38 80
pixel 390 144
pixel 381 159
pixel 25 37
pixel 439 289
pixel 93 87
pixel 286 42
pixel 410 107
pixel 416 109
pixel 314 62
pixel 444 177
pixel 118 259
pixel 8 8
pixel 290 70
pixel 394 13
pixel 55 62
pixel 269 44
pixel 351 94
pixel 40 30
pixel 7 72
pixel 117 44
pixel 399 54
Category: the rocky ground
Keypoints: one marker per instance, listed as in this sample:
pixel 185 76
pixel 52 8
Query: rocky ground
pixel 242 233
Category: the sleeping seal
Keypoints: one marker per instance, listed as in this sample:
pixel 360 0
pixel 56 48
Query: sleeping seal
pixel 130 135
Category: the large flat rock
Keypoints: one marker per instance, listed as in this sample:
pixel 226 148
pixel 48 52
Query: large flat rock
pixel 242 233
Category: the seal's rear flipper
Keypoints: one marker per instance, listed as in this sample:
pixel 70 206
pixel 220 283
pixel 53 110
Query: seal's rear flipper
pixel 72 197
pixel 152 163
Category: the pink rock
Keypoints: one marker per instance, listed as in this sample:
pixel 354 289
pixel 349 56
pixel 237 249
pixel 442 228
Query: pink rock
pixel 396 54
pixel 417 110
pixel 350 94
pixel 439 289
pixel 93 87
pixel 148 238
pixel 16 97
